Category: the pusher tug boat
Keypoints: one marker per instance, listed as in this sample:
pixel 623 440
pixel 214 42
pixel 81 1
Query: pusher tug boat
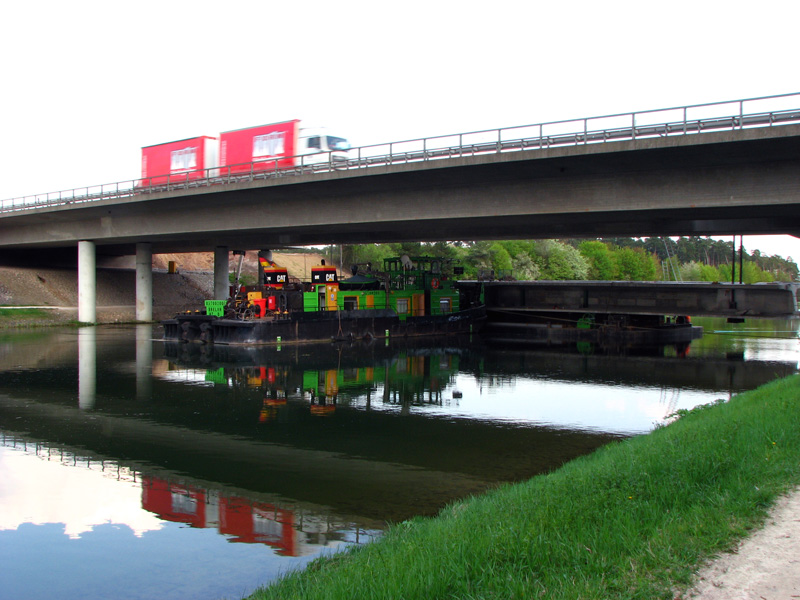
pixel 411 296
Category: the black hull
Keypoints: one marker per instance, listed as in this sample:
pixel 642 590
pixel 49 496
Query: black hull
pixel 544 334
pixel 319 326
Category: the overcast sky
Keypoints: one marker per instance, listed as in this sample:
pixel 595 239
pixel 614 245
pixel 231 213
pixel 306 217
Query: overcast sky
pixel 86 84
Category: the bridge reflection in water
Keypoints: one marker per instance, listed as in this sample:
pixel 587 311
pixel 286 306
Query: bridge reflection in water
pixel 290 529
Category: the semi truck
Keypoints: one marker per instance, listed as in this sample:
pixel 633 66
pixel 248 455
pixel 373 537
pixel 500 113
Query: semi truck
pixel 253 149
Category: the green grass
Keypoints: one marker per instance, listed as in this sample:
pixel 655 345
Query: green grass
pixel 21 313
pixel 27 318
pixel 633 520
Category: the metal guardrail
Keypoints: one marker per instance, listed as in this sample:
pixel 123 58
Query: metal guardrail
pixel 766 111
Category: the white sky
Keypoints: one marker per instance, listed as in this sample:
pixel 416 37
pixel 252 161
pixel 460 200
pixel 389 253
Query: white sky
pixel 86 84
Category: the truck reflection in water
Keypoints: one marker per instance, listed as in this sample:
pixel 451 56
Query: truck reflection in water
pixel 289 528
pixel 243 520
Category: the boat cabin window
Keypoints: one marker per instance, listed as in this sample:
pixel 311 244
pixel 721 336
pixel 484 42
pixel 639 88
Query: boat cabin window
pixel 351 302
pixel 445 305
pixel 350 374
pixel 402 306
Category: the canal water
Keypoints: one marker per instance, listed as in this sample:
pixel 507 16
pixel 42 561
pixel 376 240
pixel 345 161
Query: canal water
pixel 133 468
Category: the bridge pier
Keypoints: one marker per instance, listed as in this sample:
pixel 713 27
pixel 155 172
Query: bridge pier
pixel 87 282
pixel 221 268
pixel 144 282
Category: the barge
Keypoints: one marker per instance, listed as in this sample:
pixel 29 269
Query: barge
pixel 411 296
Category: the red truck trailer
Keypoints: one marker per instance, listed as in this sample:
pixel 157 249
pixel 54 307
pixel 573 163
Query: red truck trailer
pixel 266 147
pixel 277 146
pixel 183 160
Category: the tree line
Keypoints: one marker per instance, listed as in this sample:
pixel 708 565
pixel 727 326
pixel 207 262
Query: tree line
pixel 692 258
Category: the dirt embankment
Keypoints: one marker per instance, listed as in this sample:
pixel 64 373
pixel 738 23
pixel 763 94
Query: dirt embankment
pixel 298 264
pixel 116 287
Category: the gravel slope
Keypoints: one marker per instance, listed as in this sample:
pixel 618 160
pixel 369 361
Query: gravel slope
pixel 116 291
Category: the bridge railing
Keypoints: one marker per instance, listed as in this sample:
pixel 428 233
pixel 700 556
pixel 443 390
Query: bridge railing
pixel 766 111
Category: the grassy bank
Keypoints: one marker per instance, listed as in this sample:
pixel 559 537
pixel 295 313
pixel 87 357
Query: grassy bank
pixel 11 317
pixel 30 313
pixel 633 520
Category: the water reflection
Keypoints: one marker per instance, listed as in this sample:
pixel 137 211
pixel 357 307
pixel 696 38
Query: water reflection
pixel 323 376
pixel 87 367
pixel 293 530
pixel 290 532
pixel 102 509
pixel 144 362
pixel 295 451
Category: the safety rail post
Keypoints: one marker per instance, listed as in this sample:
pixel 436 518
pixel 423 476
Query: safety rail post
pixel 633 126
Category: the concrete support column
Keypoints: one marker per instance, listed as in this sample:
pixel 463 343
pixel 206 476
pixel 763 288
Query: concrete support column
pixel 221 269
pixel 144 282
pixel 87 282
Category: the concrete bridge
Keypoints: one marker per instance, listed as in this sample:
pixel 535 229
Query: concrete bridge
pixel 738 172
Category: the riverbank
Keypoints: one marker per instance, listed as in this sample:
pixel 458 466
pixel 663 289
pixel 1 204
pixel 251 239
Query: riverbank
pixel 636 519
pixel 50 294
